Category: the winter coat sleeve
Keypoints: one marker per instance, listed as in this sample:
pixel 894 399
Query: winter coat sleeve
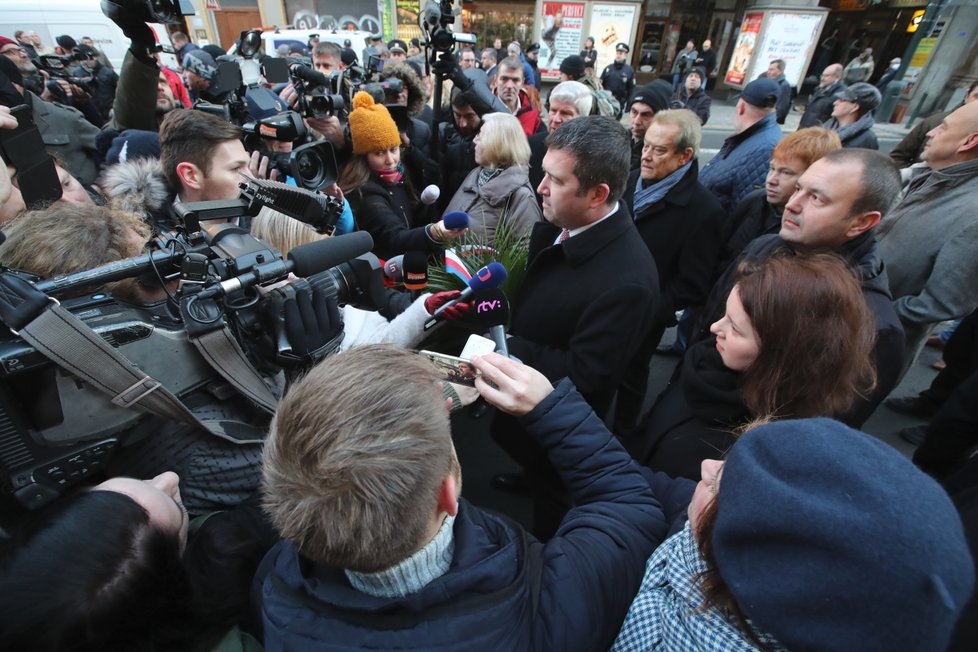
pixel 612 325
pixel 697 264
pixel 375 215
pixel 523 211
pixel 907 151
pixel 597 558
pixel 135 97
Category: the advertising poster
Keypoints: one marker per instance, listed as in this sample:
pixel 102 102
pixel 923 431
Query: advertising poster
pixel 560 36
pixel 407 20
pixel 791 37
pixel 743 50
pixel 611 25
pixel 921 56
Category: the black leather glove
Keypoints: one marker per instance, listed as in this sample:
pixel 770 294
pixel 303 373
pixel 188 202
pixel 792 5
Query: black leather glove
pixel 20 301
pixel 302 324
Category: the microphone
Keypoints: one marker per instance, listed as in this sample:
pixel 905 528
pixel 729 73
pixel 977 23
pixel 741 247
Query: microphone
pixel 456 220
pixel 316 209
pixel 492 312
pixel 308 75
pixel 304 260
pixel 430 195
pixel 394 268
pixel 415 270
pixel 489 277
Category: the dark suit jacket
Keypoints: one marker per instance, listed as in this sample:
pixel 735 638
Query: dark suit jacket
pixel 585 305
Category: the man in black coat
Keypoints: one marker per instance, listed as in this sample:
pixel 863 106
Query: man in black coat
pixel 838 203
pixel 588 298
pixel 680 222
pixel 820 103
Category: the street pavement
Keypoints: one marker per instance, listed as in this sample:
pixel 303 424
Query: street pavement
pixel 481 458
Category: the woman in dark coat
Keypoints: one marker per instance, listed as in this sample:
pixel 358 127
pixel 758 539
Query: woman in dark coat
pixel 383 199
pixel 796 341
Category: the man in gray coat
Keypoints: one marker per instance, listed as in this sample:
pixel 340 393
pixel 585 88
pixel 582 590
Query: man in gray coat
pixel 928 241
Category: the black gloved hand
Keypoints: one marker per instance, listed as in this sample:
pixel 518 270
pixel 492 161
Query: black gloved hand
pixel 134 27
pixel 20 301
pixel 302 324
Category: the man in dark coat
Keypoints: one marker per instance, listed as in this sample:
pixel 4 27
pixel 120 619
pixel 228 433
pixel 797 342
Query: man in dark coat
pixel 838 203
pixel 589 294
pixel 680 222
pixel 691 94
pixel 645 103
pixel 619 78
pixel 381 552
pixel 775 71
pixel 819 108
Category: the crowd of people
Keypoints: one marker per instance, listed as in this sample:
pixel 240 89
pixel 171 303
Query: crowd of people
pixel 740 509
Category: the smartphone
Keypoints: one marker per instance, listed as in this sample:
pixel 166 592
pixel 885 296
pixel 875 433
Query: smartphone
pixel 477 345
pixel 453 368
pixel 23 149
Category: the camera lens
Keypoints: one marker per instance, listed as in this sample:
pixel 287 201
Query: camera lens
pixel 310 168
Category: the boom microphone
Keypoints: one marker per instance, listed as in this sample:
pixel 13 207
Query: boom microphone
pixel 489 277
pixel 456 220
pixel 492 312
pixel 304 260
pixel 308 75
pixel 430 195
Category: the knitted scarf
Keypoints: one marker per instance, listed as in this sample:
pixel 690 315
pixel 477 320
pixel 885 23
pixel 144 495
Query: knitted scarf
pixel 666 614
pixel 488 174
pixel 845 133
pixel 392 177
pixel 415 572
pixel 657 190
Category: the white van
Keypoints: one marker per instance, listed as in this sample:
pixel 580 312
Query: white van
pixel 274 38
pixel 76 18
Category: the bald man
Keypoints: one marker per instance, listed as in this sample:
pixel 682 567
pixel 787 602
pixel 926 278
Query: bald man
pixel 819 107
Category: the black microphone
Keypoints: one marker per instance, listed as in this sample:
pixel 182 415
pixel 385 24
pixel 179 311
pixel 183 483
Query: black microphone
pixel 308 75
pixel 415 269
pixel 318 210
pixel 304 260
pixel 491 311
pixel 491 276
pixel 103 274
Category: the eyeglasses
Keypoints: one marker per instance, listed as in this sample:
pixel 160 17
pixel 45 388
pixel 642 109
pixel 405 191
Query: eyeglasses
pixel 13 49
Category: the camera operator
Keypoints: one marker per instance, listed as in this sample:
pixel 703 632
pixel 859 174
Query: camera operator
pixel 104 79
pixel 65 131
pixel 199 69
pixel 327 59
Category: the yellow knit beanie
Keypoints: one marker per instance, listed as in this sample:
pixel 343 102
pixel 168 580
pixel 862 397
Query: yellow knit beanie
pixel 371 125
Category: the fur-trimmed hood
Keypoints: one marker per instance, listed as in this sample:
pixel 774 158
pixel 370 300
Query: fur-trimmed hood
pixel 138 187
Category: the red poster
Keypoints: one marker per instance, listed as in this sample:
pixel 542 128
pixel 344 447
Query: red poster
pixel 560 35
pixel 744 49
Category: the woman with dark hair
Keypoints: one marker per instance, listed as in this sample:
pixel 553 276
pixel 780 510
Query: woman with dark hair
pixel 111 569
pixel 796 341
pixel 589 54
pixel 384 202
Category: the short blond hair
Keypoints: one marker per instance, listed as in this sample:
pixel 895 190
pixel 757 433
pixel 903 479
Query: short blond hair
pixel 281 231
pixel 356 455
pixel 503 140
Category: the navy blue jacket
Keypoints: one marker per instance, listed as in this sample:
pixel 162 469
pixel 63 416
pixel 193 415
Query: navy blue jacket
pixel 741 164
pixel 505 590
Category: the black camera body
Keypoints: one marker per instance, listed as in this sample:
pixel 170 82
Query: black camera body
pixel 58 66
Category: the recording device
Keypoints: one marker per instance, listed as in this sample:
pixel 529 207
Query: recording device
pixel 491 276
pixel 389 90
pixel 23 149
pixel 320 96
pixel 436 21
pixel 157 11
pixel 313 165
pixel 490 309
pixel 430 195
pixel 56 431
pixel 410 270
pixel 57 65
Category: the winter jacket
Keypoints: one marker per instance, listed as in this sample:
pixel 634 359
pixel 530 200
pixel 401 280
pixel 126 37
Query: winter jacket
pixel 135 96
pixel 741 164
pixel 457 159
pixel 619 79
pixel 699 102
pixel 858 134
pixel 684 61
pixel 752 218
pixel 393 218
pixel 907 152
pixel 508 194
pixel 783 106
pixel 820 105
pixel 696 415
pixel 505 590
pixel 68 135
pixel 528 116
pixel 863 254
pixel 105 82
pixel 928 243
pixel 858 70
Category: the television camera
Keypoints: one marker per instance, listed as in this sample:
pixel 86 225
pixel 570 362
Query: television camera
pixel 56 430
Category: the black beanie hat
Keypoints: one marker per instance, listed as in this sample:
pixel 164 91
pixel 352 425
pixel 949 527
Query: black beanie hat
pixel 573 67
pixel 656 94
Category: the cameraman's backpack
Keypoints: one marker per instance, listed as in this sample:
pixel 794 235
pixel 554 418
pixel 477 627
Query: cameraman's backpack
pixel 605 104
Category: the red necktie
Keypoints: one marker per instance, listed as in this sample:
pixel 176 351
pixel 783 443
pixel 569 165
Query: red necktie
pixel 563 236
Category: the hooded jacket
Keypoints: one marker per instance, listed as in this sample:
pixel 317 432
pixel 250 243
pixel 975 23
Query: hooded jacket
pixel 504 590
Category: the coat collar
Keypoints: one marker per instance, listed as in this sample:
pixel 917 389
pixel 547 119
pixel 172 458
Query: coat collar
pixel 679 195
pixel 584 246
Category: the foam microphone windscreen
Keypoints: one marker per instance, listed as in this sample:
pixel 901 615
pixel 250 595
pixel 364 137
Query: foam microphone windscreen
pixel 490 308
pixel 456 220
pixel 430 195
pixel 320 255
pixel 394 268
pixel 415 270
pixel 491 276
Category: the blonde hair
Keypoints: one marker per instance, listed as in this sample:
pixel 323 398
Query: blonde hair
pixel 281 231
pixel 503 140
